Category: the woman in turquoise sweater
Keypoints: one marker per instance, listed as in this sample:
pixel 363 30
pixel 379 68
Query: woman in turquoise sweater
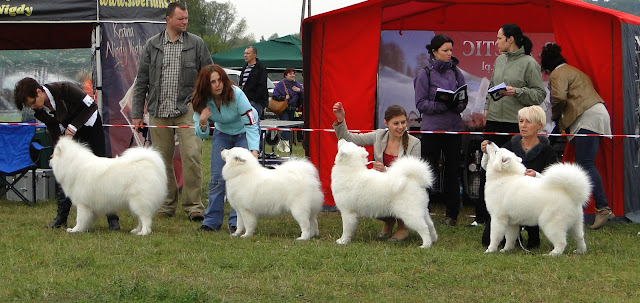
pixel 216 100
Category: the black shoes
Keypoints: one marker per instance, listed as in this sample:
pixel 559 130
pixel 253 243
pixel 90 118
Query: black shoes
pixel 196 216
pixel 57 223
pixel 207 228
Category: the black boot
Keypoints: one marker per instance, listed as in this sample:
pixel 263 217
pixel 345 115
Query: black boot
pixel 64 206
pixel 114 222
pixel 533 233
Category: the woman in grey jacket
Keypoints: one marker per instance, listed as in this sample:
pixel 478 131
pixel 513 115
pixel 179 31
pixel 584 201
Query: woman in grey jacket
pixel 388 144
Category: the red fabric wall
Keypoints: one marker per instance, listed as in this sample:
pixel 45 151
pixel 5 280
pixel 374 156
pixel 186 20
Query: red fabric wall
pixel 344 68
pixel 343 59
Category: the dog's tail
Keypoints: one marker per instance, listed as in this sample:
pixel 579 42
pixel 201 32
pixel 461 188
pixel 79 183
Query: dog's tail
pixel 143 156
pixel 570 177
pixel 410 168
pixel 299 166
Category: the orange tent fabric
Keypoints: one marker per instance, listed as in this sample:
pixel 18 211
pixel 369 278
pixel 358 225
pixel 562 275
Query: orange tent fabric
pixel 340 57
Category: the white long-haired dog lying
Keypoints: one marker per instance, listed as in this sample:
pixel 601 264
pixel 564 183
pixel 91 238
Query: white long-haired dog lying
pixel 553 201
pixel 98 186
pixel 399 192
pixel 254 191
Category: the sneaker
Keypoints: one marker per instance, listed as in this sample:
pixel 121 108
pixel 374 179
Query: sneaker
pixel 602 216
pixel 449 221
pixel 232 229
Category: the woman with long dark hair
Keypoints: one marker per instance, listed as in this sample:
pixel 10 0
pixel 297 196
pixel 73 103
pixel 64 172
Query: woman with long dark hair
pixel 578 109
pixel 442 72
pixel 216 100
pixel 388 144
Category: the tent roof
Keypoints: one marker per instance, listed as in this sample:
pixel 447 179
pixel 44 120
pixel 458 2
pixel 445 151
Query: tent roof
pixel 396 13
pixel 69 23
pixel 278 53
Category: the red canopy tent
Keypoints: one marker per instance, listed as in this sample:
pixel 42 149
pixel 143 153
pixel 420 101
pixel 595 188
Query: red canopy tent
pixel 341 60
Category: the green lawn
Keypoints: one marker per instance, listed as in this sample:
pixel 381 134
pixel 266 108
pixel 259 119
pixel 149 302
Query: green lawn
pixel 176 263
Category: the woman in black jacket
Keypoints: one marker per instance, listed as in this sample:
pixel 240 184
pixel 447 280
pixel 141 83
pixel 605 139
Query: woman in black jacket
pixel 536 154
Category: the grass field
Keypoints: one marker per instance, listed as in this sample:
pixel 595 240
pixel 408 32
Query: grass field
pixel 177 263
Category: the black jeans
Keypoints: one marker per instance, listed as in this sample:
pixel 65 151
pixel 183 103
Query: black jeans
pixel 450 146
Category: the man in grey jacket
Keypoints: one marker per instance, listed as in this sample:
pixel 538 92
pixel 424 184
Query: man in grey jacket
pixel 169 65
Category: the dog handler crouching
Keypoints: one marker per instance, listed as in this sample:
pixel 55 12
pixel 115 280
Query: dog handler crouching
pixel 65 109
pixel 215 99
pixel 388 144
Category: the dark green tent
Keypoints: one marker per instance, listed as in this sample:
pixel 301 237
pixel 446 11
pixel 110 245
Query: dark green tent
pixel 276 54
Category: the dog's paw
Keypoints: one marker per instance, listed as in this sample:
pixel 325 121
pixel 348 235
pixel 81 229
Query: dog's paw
pixel 73 230
pixel 135 231
pixel 426 245
pixel 554 254
pixel 580 251
pixel 489 251
pixel 235 234
pixel 342 241
pixel 245 235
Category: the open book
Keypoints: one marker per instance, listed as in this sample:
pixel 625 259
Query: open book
pixel 494 92
pixel 452 98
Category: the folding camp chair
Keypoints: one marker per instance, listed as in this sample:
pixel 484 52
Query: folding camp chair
pixel 15 159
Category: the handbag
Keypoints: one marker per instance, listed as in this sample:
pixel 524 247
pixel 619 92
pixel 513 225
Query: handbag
pixel 279 106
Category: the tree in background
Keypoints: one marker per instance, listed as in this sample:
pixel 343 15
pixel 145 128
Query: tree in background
pixel 218 25
pixel 627 6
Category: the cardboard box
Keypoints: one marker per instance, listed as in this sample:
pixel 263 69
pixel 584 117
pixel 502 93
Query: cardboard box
pixel 45 186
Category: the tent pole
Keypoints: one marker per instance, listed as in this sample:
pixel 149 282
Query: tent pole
pixel 302 15
pixel 98 66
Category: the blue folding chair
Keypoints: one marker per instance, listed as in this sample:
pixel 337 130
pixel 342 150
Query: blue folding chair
pixel 15 158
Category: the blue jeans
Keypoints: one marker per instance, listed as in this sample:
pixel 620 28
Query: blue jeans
pixel 214 215
pixel 287 115
pixel 586 150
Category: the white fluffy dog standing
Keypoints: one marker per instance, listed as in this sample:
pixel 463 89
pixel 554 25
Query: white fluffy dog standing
pixel 254 191
pixel 554 201
pixel 399 192
pixel 98 186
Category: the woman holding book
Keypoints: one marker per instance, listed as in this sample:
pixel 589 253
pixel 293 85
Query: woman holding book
pixel 522 79
pixel 442 114
pixel 578 109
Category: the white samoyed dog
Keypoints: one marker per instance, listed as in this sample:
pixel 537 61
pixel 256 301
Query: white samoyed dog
pixel 254 191
pixel 400 192
pixel 98 186
pixel 554 200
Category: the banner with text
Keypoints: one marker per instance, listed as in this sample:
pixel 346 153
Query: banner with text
pixel 83 10
pixel 403 54
pixel 121 48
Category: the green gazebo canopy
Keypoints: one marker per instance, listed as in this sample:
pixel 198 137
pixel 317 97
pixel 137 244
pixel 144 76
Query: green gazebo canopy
pixel 276 54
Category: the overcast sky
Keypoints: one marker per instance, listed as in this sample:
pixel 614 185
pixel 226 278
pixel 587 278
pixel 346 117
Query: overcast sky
pixel 266 17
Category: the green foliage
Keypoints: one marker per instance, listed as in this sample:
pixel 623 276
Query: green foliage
pixel 627 6
pixel 177 263
pixel 218 25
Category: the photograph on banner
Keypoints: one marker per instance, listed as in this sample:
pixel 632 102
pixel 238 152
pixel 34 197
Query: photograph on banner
pixel 122 45
pixel 403 54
